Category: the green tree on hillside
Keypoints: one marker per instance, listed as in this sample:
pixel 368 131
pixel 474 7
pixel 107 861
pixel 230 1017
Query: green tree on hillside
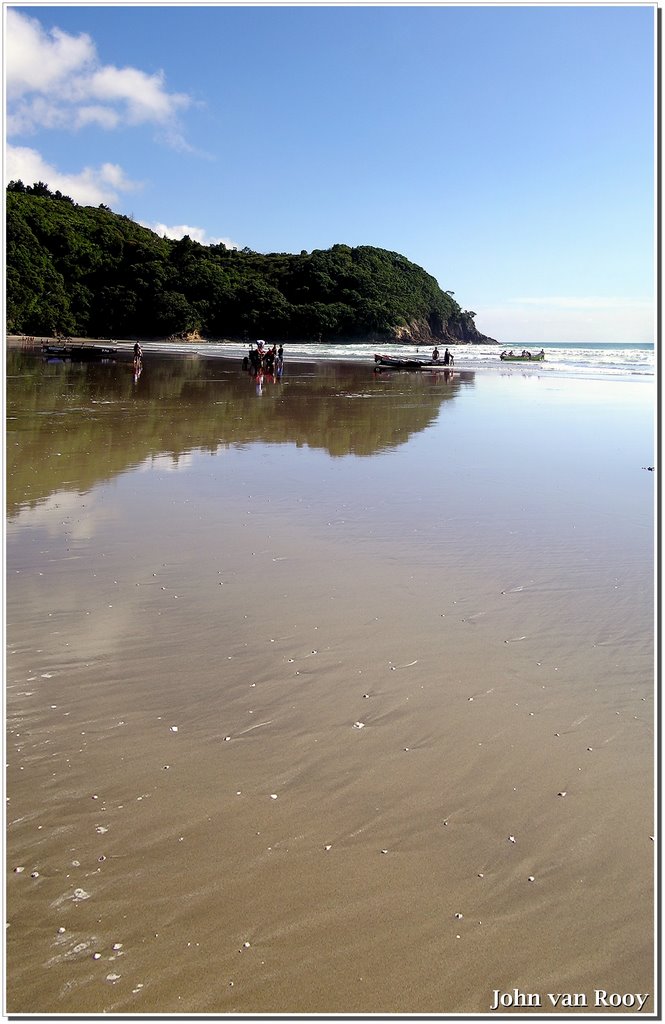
pixel 86 271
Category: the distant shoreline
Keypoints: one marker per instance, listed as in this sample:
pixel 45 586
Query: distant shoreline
pixel 165 344
pixel 577 363
pixel 159 346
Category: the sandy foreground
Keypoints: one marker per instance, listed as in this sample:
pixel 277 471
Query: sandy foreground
pixel 264 759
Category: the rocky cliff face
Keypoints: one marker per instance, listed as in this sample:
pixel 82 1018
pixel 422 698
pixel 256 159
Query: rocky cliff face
pixel 463 331
pixel 460 331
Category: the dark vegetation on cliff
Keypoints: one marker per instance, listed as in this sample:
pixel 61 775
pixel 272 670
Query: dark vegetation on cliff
pixel 85 271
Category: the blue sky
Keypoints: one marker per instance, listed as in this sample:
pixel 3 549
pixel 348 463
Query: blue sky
pixel 508 150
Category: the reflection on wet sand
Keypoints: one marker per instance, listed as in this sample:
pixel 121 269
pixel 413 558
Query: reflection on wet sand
pixel 72 424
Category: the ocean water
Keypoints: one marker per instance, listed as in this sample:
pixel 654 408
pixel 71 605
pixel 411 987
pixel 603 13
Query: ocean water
pixel 569 358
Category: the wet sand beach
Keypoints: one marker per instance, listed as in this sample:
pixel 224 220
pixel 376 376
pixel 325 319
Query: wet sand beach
pixel 335 697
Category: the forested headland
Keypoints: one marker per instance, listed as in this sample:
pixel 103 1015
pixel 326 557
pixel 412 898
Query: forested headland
pixel 85 271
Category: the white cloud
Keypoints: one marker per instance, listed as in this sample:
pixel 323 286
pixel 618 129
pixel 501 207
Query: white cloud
pixel 104 117
pixel 54 80
pixel 90 187
pixel 23 116
pixel 144 95
pixel 542 319
pixel 197 234
pixel 37 61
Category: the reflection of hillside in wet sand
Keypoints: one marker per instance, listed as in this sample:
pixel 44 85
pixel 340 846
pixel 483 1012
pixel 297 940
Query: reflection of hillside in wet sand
pixel 72 425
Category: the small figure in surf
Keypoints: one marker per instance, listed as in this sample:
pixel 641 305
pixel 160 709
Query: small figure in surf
pixel 138 361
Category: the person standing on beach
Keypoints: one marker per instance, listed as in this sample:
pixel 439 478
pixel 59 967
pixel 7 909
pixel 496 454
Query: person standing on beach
pixel 138 361
pixel 435 353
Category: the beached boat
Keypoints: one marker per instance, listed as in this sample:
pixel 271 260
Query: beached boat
pixel 394 363
pixel 80 351
pixel 385 362
pixel 528 358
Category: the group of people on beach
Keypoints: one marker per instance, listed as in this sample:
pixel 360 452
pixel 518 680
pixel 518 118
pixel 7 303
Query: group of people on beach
pixel 524 354
pixel 448 358
pixel 264 360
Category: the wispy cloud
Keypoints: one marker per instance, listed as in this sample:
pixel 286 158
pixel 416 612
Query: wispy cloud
pixel 197 234
pixel 90 187
pixel 591 318
pixel 56 81
pixel 579 302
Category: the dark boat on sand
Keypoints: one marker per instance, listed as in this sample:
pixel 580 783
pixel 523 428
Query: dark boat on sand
pixel 385 362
